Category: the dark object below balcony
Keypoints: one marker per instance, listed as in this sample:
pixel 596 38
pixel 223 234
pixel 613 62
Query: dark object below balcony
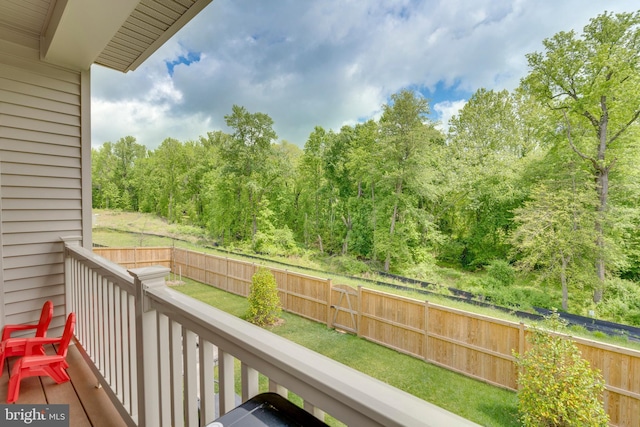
pixel 267 409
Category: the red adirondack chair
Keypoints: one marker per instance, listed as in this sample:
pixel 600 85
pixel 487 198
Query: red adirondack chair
pixel 35 364
pixel 15 346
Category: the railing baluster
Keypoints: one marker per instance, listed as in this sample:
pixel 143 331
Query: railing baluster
pixel 93 318
pixel 115 342
pixel 128 341
pixel 133 354
pixel 317 412
pixel 163 368
pixel 190 369
pixel 274 387
pixel 109 368
pixel 207 397
pixel 103 321
pixel 226 381
pixel 175 359
pixel 147 344
pixel 249 382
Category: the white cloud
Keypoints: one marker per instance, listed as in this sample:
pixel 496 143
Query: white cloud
pixel 147 121
pixel 446 110
pixel 326 62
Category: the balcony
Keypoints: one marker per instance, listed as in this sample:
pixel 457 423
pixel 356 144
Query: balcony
pixel 165 359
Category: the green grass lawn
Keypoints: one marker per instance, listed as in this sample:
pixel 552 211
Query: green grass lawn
pixel 471 399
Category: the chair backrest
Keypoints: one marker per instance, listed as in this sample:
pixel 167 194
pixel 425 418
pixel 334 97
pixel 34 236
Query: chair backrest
pixel 67 335
pixel 45 318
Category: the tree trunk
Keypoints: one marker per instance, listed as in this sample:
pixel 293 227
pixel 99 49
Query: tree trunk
pixel 348 223
pixel 603 190
pixel 602 187
pixel 392 229
pixel 373 214
pixel 563 280
pixel 254 216
pixel 601 170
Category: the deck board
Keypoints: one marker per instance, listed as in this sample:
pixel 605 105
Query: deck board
pixel 89 406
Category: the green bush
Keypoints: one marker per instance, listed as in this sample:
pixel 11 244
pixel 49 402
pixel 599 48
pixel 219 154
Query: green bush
pixel 501 272
pixel 523 297
pixel 426 270
pixel 349 265
pixel 264 303
pixel 620 302
pixel 557 387
pixel 275 241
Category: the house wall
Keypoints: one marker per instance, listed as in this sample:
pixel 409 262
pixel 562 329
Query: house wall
pixel 45 190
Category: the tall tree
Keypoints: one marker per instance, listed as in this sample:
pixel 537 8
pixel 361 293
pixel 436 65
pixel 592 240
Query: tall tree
pixel 246 163
pixel 593 82
pixel 364 163
pixel 170 164
pixel 487 143
pixel 405 140
pixel 554 235
pixel 127 151
pixel 113 167
pixel 313 184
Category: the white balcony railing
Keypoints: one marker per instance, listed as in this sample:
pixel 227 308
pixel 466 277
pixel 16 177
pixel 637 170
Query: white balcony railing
pixel 166 359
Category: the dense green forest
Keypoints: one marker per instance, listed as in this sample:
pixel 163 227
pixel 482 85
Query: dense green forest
pixel 543 180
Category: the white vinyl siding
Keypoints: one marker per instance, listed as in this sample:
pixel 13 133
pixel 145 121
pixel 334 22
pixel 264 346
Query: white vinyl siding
pixel 41 181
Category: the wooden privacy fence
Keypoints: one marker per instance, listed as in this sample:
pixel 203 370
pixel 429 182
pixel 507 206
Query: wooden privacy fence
pixel 137 257
pixel 474 345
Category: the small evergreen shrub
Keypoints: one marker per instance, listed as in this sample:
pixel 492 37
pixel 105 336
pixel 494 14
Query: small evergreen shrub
pixel 557 387
pixel 264 303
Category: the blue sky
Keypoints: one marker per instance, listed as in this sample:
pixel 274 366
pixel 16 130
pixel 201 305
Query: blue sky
pixel 326 63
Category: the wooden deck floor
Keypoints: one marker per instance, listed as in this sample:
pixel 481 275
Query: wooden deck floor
pixel 88 405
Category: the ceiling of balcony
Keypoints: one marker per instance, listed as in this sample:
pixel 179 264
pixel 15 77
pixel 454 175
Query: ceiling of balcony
pixel 118 34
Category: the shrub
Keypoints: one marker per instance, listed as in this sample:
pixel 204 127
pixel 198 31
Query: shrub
pixel 523 297
pixel 349 265
pixel 620 302
pixel 557 387
pixel 264 303
pixel 275 241
pixel 501 272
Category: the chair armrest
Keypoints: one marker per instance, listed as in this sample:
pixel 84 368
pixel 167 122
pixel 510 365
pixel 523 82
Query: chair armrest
pixel 13 342
pixel 8 329
pixel 33 344
pixel 39 361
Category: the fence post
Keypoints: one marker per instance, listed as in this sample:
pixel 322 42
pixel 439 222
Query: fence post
pixel 521 342
pixel 329 301
pixel 286 290
pixel 359 308
pixel 147 344
pixel 206 269
pixel 426 331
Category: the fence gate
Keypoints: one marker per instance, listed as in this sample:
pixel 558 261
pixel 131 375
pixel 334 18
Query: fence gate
pixel 345 315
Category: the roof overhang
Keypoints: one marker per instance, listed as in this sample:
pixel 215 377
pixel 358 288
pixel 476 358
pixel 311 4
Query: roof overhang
pixel 79 30
pixel 119 34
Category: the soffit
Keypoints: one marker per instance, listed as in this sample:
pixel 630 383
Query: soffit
pixel 119 34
